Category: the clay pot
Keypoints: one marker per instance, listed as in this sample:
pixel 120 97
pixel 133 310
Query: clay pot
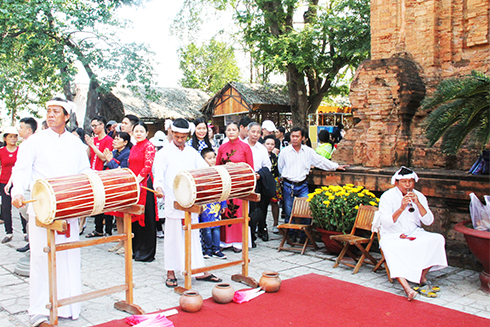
pixel 190 301
pixel 223 293
pixel 270 281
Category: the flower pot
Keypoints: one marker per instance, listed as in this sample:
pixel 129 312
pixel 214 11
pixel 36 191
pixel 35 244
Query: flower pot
pixel 223 293
pixel 479 244
pixel 332 247
pixel 270 281
pixel 190 301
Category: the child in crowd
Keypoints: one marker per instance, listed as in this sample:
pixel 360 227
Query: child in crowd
pixel 326 148
pixel 210 237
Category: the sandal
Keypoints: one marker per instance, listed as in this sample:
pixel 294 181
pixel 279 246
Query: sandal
pixel 429 287
pixel 425 291
pixel 210 278
pixel 171 282
pixel 94 234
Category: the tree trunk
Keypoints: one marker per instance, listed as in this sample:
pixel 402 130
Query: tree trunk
pixel 91 107
pixel 298 97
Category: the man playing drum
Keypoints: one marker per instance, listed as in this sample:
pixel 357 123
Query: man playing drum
pixel 178 157
pixel 53 152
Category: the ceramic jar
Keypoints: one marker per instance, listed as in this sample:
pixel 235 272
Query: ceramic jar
pixel 223 293
pixel 270 281
pixel 190 301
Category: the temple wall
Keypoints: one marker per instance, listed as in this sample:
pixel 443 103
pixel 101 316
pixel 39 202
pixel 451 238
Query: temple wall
pixel 414 45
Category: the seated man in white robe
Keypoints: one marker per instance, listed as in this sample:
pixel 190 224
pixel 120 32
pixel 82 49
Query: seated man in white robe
pixel 53 152
pixel 409 250
pixel 177 157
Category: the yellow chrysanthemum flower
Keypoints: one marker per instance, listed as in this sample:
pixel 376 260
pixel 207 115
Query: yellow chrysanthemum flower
pixel 373 203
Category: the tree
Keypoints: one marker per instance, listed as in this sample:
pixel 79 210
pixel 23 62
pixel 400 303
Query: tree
pixel 57 33
pixel 208 67
pixel 311 50
pixel 462 106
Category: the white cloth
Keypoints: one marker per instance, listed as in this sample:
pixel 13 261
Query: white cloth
pixel 45 155
pixel 295 166
pixel 260 156
pixel 405 258
pixel 168 163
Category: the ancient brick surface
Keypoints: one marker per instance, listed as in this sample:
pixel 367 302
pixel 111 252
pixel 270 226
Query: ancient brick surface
pixel 386 94
pixel 442 38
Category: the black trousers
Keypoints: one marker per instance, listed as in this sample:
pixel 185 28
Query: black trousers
pixel 6 209
pixel 145 238
pixel 99 223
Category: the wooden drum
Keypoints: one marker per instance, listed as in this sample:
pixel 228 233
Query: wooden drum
pixel 213 184
pixel 84 194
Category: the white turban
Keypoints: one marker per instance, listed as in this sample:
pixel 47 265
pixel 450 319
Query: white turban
pixel 404 173
pixel 168 124
pixel 68 105
pixel 181 129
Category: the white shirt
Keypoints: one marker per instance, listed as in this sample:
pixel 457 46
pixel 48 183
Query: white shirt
pixel 167 165
pixel 295 166
pixel 46 155
pixel 260 156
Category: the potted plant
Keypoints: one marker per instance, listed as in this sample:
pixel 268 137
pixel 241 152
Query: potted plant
pixel 334 209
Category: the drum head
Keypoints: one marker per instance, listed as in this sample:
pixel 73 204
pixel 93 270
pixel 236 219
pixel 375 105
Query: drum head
pixel 185 189
pixel 45 204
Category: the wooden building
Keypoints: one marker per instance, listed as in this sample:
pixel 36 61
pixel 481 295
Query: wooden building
pixel 173 103
pixel 260 102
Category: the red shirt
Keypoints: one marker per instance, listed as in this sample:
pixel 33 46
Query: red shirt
pixel 235 151
pixel 7 161
pixel 140 162
pixel 105 143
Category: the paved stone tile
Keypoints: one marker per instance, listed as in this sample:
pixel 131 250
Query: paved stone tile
pixel 101 269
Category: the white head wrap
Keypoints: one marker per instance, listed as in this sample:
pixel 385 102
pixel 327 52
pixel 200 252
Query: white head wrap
pixel 68 105
pixel 168 124
pixel 180 129
pixel 398 176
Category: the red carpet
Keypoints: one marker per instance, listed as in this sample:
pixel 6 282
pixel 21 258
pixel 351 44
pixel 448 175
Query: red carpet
pixel 314 300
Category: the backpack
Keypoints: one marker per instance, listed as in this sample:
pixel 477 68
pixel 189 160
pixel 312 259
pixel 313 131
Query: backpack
pixel 482 164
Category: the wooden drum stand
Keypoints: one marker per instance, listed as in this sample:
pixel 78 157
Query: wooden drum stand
pixel 188 227
pixel 52 248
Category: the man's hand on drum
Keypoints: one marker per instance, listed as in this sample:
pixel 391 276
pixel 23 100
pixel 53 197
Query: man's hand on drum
pixel 108 155
pixel 17 201
pixel 159 193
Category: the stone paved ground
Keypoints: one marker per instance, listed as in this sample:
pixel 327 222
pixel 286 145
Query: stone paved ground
pixel 100 269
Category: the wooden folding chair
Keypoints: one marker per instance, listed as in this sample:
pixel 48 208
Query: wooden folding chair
pixel 383 261
pixel 301 209
pixel 364 221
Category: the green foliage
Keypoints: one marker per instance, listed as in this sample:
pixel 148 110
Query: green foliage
pixel 48 36
pixel 311 50
pixel 462 106
pixel 208 67
pixel 334 207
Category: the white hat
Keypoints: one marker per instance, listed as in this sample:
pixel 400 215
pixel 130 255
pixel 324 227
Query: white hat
pixel 158 138
pixel 10 130
pixel 269 125
pixel 404 173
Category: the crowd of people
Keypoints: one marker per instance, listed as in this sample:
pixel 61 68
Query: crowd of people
pixel 281 162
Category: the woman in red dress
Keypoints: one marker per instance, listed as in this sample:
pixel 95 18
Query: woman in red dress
pixel 144 226
pixel 8 156
pixel 235 151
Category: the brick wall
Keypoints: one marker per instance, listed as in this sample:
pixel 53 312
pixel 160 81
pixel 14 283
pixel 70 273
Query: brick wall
pixel 436 39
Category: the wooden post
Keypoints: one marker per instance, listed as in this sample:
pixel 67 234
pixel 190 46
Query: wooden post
pixel 245 238
pixel 53 290
pixel 188 249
